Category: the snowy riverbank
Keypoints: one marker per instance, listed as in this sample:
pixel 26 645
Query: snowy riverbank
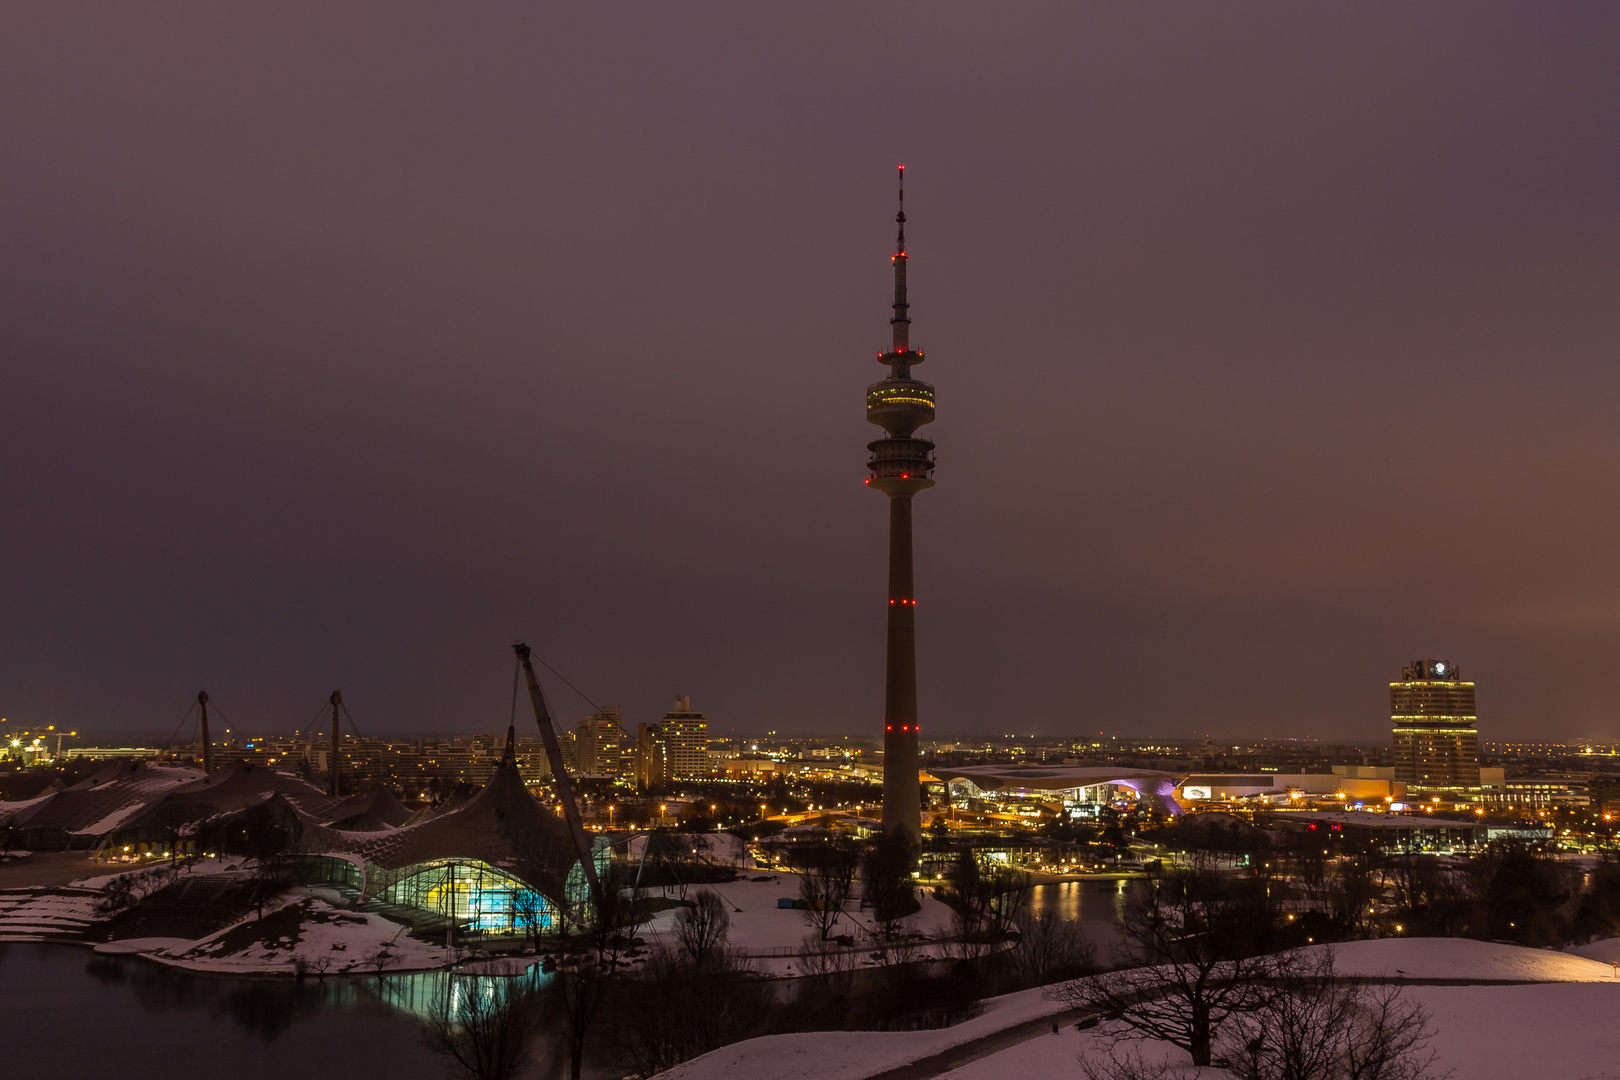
pixel 1527 1012
pixel 299 936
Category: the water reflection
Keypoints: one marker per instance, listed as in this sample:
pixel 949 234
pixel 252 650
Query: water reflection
pixel 72 1013
pixel 268 1007
pixel 1097 905
pixel 1088 901
pixel 264 1007
pixel 423 995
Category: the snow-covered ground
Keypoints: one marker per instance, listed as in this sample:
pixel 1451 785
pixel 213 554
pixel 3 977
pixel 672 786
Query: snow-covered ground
pixel 1562 1031
pixel 721 848
pixel 774 937
pixel 1553 1031
pixel 1559 1027
pixel 1461 958
pixel 1051 1056
pixel 47 913
pixel 1606 950
pixel 852 1055
pixel 157 868
pixel 299 932
pixel 65 912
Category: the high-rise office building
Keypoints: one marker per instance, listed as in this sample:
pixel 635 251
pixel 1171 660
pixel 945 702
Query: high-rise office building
pixel 901 465
pixel 1436 729
pixel 675 748
pixel 596 743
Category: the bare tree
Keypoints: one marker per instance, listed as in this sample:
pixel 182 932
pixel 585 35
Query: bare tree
pixel 1125 1062
pixel 1308 860
pixel 888 868
pixel 1354 890
pixel 986 900
pixel 1520 895
pixel 964 893
pixel 1318 1026
pixel 530 914
pixel 268 834
pixel 826 879
pixel 1050 948
pixel 482 1027
pixel 127 890
pixel 1412 878
pixel 1389 1039
pixel 678 860
pixel 581 985
pixel 117 895
pixel 679 1008
pixel 1209 840
pixel 1598 913
pixel 378 958
pixel 702 928
pixel 1007 895
pixel 1200 936
pixel 827 966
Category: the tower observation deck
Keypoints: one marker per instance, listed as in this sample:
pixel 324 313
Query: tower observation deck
pixel 901 464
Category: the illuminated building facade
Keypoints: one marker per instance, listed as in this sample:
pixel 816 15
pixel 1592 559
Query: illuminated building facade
pixel 596 743
pixel 675 748
pixel 901 465
pixel 1436 729
pixel 474 895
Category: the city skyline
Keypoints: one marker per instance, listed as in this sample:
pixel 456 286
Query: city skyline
pixel 1280 353
pixel 443 630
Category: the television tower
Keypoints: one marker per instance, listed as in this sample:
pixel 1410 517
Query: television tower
pixel 901 465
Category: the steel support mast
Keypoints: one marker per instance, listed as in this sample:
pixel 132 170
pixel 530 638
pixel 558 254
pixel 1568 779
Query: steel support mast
pixel 559 773
pixel 337 702
pixel 202 724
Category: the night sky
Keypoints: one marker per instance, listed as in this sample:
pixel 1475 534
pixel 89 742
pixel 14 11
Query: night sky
pixel 1276 346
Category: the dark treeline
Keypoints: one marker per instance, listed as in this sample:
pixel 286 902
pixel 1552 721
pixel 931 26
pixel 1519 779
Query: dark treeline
pixel 1341 891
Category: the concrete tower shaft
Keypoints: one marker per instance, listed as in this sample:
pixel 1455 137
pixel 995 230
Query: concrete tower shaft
pixel 900 466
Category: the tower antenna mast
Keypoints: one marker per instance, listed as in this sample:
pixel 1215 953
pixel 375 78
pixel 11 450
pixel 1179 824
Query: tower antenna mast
pixel 902 310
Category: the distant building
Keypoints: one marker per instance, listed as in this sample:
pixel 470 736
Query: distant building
pixel 675 748
pixel 1436 730
pixel 748 765
pixel 1390 832
pixel 1349 784
pixel 596 743
pixel 1540 792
